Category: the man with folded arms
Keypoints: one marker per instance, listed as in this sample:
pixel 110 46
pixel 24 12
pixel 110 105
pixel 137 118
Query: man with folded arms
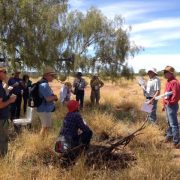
pixel 47 106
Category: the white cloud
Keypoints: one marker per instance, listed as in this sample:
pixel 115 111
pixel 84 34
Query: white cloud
pixel 165 23
pixel 135 10
pixel 157 61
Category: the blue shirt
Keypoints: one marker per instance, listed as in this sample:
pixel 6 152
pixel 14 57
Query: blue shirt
pixel 16 90
pixel 72 122
pixel 4 112
pixel 44 92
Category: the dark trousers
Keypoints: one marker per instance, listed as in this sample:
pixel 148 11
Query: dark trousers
pixel 3 137
pixel 68 142
pixel 16 108
pixel 80 98
pixel 25 100
pixel 85 137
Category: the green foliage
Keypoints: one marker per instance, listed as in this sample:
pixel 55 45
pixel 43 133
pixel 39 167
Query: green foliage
pixel 43 32
pixel 142 72
pixel 29 30
pixel 127 72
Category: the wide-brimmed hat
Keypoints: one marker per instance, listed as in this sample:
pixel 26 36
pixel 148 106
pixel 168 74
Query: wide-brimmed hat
pixel 72 105
pixel 49 70
pixel 169 69
pixel 152 70
pixel 17 71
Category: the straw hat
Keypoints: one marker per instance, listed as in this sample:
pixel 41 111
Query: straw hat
pixel 169 69
pixel 49 70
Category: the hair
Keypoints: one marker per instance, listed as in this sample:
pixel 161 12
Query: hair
pixel 25 76
pixel 79 74
pixel 68 84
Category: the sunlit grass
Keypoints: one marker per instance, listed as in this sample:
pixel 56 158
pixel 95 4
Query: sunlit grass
pixel 118 115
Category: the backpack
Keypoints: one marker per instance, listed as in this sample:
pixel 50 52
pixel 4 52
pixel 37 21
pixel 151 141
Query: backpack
pixel 34 99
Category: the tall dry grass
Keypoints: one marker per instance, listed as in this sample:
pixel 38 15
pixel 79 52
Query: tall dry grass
pixel 31 157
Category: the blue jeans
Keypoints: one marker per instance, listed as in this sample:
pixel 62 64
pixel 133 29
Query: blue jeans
pixel 152 115
pixel 173 129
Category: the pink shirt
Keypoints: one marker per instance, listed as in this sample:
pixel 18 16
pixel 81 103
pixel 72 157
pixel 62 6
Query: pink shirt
pixel 174 86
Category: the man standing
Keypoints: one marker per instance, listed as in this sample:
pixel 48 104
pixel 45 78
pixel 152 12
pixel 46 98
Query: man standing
pixel 47 106
pixel 79 85
pixel 171 105
pixel 5 101
pixel 152 90
pixel 16 83
pixel 96 84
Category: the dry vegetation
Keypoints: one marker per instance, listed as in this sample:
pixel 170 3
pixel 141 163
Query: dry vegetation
pixel 146 157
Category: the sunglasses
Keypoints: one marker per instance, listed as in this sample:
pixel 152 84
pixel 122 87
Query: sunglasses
pixel 4 71
pixel 166 72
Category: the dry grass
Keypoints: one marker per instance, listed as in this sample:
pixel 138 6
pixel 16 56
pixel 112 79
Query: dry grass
pixel 30 157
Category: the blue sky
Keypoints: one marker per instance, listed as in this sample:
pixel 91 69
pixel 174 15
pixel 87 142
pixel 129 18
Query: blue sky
pixel 155 26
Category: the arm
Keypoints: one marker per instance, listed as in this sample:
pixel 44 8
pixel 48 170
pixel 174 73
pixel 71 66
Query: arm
pixel 81 125
pixel 101 83
pixel 46 92
pixel 175 96
pixel 4 104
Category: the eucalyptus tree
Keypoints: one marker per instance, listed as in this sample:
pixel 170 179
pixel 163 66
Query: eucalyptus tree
pixel 104 42
pixel 45 32
pixel 29 30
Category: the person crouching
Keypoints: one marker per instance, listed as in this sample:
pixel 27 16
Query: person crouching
pixel 74 131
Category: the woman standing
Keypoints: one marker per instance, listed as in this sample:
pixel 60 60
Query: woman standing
pixel 26 85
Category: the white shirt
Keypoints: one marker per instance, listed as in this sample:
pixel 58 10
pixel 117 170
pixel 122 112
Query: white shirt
pixel 153 85
pixel 65 94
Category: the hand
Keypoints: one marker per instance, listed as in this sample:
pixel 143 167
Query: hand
pixel 12 98
pixel 15 84
pixel 55 98
pixel 151 101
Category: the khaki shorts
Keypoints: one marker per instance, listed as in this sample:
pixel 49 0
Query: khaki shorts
pixel 45 118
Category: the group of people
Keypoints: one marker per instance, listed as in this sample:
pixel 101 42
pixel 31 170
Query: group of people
pixel 78 89
pixel 74 130
pixel 170 101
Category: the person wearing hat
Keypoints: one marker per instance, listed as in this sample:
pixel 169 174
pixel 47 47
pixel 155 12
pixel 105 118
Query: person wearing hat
pixel 5 101
pixel 16 83
pixel 79 85
pixel 47 106
pixel 152 90
pixel 74 131
pixel 170 105
pixel 96 84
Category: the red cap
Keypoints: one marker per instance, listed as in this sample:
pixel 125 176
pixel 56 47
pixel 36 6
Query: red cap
pixel 72 105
